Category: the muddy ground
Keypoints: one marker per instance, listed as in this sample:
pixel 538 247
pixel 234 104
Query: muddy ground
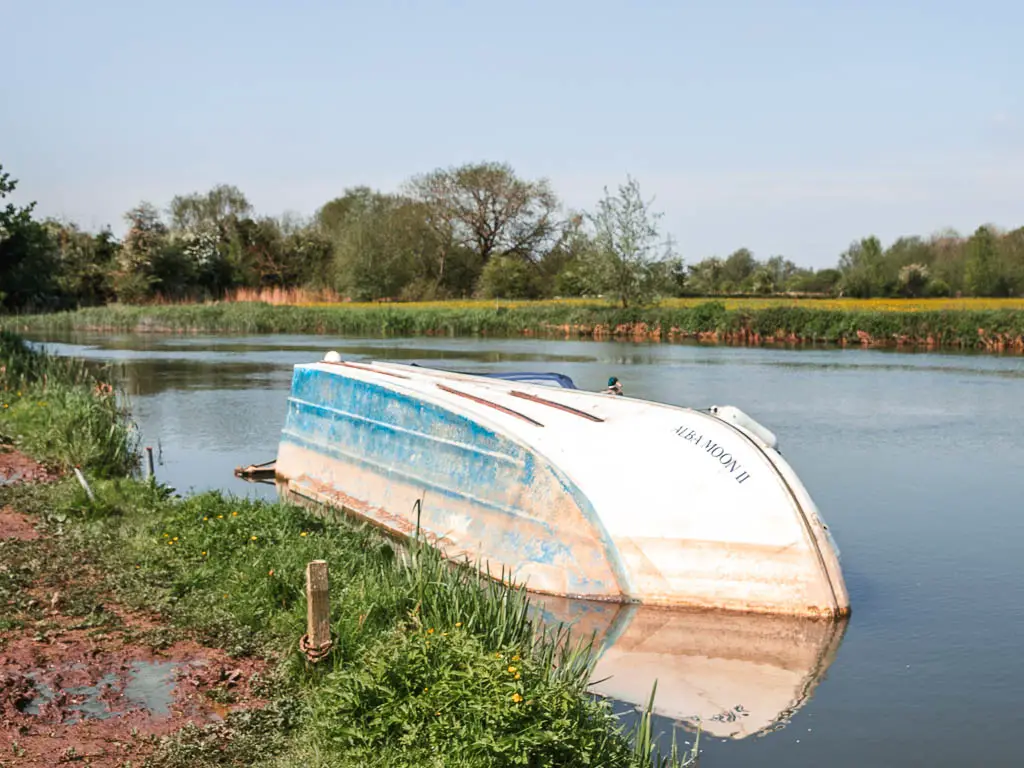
pixel 83 681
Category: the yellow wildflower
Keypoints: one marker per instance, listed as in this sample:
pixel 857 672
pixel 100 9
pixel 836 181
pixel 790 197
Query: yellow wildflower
pixel 303 534
pixel 253 538
pixel 204 554
pixel 516 698
pixel 175 538
pixel 516 657
pixel 430 631
pixel 234 514
pixel 166 535
pixel 458 623
pixel 205 519
pixel 497 655
pixel 220 517
pixel 517 676
pixel 511 670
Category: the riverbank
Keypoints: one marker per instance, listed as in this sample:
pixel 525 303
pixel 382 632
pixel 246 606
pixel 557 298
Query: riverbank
pixel 998 328
pixel 429 666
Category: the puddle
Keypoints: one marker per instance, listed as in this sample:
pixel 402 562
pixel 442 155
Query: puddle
pixel 143 685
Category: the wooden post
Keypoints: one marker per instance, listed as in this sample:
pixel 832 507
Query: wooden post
pixel 85 485
pixel 318 607
pixel 149 459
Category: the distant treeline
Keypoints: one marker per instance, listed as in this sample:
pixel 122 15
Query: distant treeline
pixel 472 231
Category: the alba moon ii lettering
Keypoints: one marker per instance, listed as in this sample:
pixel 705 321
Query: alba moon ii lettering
pixel 715 450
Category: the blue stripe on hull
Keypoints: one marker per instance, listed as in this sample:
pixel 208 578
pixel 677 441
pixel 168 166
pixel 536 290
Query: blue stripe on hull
pixel 522 512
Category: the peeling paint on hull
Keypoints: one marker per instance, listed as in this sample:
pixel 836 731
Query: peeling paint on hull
pixel 551 488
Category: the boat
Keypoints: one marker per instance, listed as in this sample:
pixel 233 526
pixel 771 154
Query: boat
pixel 569 492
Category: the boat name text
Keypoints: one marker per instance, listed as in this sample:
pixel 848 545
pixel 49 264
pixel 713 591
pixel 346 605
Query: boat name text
pixel 696 439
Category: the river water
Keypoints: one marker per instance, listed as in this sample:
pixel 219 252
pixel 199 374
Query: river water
pixel 916 461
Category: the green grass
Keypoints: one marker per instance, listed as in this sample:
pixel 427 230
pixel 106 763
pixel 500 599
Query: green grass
pixel 432 664
pixel 61 412
pixel 960 328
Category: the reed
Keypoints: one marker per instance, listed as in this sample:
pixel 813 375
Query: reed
pixel 63 412
pixel 983 324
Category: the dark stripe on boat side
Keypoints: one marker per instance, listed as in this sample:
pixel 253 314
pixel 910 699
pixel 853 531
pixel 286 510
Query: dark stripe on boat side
pixel 371 369
pixel 490 404
pixel 553 404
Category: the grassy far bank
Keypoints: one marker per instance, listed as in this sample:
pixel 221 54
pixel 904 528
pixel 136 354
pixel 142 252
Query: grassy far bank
pixel 430 665
pixel 972 324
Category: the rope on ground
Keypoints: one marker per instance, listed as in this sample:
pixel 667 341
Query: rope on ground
pixel 314 654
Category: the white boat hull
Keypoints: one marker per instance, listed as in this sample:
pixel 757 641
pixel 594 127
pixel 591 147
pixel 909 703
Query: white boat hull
pixel 574 493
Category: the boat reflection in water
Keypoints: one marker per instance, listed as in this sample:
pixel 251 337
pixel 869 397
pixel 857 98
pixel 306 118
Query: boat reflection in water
pixel 733 674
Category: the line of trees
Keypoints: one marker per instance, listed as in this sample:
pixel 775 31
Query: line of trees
pixel 474 230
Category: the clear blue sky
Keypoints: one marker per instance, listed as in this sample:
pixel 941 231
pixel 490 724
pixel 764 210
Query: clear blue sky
pixel 783 126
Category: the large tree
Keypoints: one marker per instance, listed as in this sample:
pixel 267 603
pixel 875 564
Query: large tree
pixel 28 257
pixel 629 246
pixel 981 274
pixel 218 208
pixel 487 209
pixel 861 266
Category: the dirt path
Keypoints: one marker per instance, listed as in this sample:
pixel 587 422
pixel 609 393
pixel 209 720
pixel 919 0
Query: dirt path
pixel 16 467
pixel 93 686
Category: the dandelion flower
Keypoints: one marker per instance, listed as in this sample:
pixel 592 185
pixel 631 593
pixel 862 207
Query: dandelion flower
pixel 303 534
pixel 516 698
pixel 205 519
pixel 516 657
pixel 511 670
pixel 430 631
pixel 252 538
pixel 458 623
pixel 234 514
pixel 220 517
pixel 166 535
pixel 174 539
pixel 497 655
pixel 517 676
pixel 204 554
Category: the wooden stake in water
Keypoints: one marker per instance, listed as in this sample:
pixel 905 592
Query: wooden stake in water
pixel 149 461
pixel 317 641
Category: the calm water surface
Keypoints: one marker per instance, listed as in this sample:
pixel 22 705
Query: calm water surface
pixel 915 460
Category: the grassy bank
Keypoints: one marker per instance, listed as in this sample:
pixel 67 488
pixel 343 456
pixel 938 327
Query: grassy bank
pixel 431 665
pixel 61 413
pixel 989 324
